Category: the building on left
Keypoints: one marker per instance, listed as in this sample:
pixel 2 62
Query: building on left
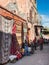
pixel 11 33
pixel 18 20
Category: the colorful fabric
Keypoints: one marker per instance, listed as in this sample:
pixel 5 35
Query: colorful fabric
pixel 14 29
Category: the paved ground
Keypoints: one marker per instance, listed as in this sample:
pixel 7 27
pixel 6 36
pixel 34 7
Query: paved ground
pixel 38 58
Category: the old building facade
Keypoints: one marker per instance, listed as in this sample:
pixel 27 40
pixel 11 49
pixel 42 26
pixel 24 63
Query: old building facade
pixel 24 8
pixel 21 15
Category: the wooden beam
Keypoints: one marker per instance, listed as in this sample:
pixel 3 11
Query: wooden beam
pixel 4 13
pixel 9 15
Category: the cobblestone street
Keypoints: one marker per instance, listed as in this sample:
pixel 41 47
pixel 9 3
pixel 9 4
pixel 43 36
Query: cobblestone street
pixel 38 58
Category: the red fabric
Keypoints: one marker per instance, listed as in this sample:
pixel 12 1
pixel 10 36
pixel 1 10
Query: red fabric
pixel 13 45
pixel 41 40
pixel 18 54
pixel 14 29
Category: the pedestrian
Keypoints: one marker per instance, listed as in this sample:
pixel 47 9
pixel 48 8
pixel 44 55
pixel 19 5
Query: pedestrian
pixel 26 52
pixel 26 47
pixel 35 43
pixel 32 47
pixel 41 41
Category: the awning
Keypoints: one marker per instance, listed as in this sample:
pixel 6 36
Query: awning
pixel 38 26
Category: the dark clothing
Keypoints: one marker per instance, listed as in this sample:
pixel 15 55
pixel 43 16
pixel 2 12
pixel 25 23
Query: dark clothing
pixel 41 43
pixel 35 46
pixel 34 41
pixel 41 46
pixel 23 45
pixel 32 48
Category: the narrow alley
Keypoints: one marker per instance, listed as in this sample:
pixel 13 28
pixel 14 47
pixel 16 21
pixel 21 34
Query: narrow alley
pixel 38 58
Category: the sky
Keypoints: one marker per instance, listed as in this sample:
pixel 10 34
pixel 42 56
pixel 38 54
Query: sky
pixel 43 10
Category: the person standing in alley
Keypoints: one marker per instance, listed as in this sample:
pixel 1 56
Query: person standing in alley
pixel 32 47
pixel 41 41
pixel 35 44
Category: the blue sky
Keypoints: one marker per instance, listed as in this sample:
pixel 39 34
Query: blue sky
pixel 43 10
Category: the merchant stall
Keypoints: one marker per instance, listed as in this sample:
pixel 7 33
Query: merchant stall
pixel 11 31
